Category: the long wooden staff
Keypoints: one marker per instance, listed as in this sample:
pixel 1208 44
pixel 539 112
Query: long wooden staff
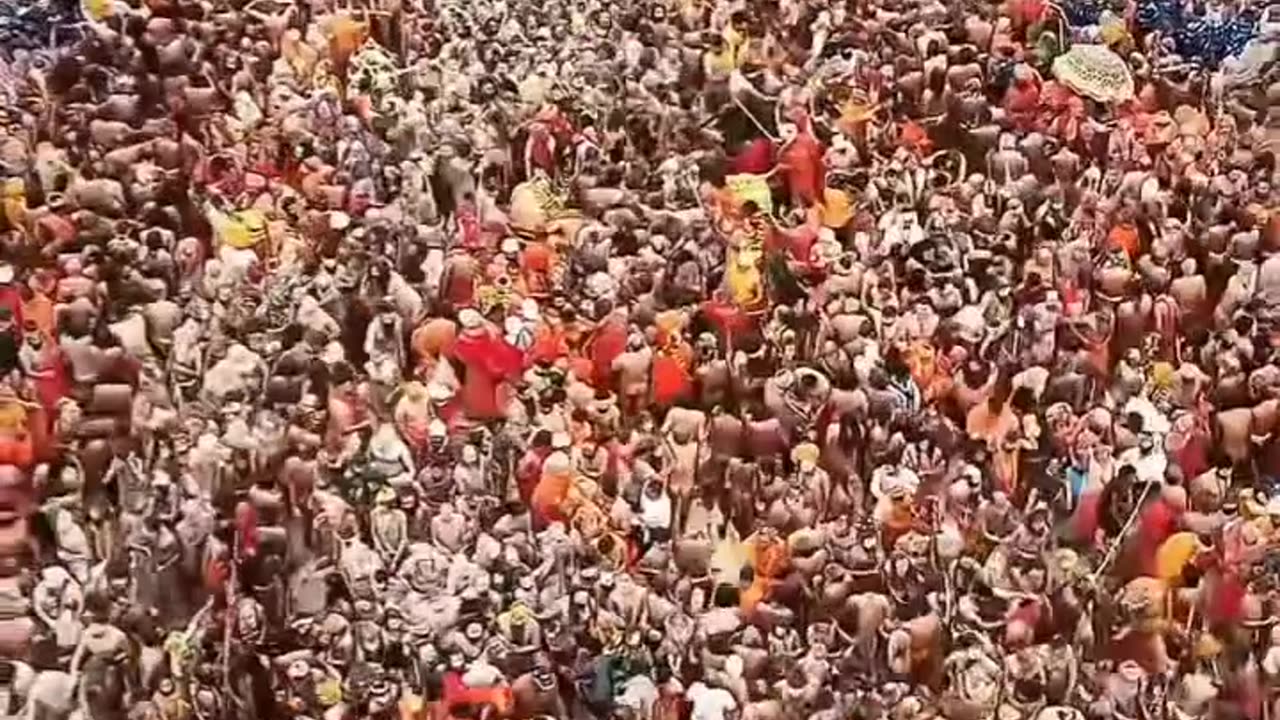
pixel 1115 543
pixel 228 624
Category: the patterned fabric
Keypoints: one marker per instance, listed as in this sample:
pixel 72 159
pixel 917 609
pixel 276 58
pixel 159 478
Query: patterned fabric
pixel 1083 12
pixel 1095 71
pixel 1196 34
pixel 372 71
pixel 31 25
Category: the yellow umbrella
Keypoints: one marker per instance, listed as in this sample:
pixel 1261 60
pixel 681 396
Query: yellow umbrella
pixel 1095 72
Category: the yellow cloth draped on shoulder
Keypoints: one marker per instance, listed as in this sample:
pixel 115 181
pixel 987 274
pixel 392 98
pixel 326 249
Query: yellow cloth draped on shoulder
pixel 1174 555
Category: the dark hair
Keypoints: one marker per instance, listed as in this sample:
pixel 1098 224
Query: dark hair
pixel 1023 400
pixel 342 373
pixel 895 364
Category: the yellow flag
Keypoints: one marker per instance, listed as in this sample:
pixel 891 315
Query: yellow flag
pixel 15 203
pixel 241 229
pixel 755 188
pixel 728 558
pixel 98 10
pixel 329 692
pixel 735 44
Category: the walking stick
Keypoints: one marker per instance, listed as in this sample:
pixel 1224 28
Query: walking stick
pixel 228 624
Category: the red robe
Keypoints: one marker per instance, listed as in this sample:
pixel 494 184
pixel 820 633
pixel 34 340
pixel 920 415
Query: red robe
pixel 247 529
pixel 798 245
pixel 536 263
pixel 542 151
pixel 803 169
pixel 671 379
pixel 54 386
pixel 1193 456
pixel 44 444
pixel 490 362
pixel 460 280
pixel 11 297
pixel 1225 602
pixel 1156 523
pixel 1084 523
pixel 1022 101
pixel 469 227
pixel 457 695
pixel 727 318
pixel 756 158
pixel 549 345
pixel 609 341
pixel 217 569
pixel 1029 612
pixel 529 472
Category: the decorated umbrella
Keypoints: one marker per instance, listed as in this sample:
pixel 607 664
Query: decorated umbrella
pixel 1095 72
pixel 372 71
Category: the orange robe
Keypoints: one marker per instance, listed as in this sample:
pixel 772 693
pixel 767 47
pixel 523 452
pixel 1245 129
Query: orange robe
pixel 1125 237
pixel 430 340
pixel 770 561
pixel 549 344
pixel 39 309
pixel 548 500
pixel 672 381
pixel 990 427
pixel 16 447
pixel 536 265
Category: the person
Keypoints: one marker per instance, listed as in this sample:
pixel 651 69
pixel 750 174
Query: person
pixel 710 703
pixel 10 342
pixel 652 360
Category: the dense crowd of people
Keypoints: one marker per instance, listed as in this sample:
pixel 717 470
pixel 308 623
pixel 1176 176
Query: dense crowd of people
pixel 688 360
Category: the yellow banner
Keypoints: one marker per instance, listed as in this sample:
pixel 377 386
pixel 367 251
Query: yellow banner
pixel 752 187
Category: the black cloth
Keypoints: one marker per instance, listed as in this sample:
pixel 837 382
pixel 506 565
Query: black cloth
pixel 9 344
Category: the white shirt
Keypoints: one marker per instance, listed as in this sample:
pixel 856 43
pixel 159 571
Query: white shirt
pixel 1150 466
pixel 655 512
pixel 709 703
pixel 481 674
pixel 887 478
